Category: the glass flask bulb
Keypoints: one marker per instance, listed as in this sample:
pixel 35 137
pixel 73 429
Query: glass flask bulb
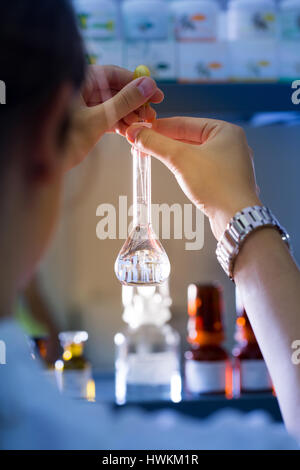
pixel 142 259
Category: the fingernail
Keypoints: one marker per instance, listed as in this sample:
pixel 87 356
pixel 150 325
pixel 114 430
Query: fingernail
pixel 146 86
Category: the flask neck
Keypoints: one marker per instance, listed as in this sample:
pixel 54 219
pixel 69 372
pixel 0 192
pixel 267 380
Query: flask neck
pixel 141 188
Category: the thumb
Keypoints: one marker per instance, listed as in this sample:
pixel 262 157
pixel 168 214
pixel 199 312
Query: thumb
pixel 94 121
pixel 133 96
pixel 130 98
pixel 168 151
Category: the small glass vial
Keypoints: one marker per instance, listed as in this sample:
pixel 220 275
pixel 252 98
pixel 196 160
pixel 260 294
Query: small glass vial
pixel 147 363
pixel 73 371
pixel 39 346
pixel 250 374
pixel 207 365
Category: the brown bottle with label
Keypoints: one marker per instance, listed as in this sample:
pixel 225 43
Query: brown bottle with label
pixel 250 373
pixel 207 365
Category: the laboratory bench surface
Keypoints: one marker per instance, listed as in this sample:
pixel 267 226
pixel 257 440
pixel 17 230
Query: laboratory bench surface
pixel 199 407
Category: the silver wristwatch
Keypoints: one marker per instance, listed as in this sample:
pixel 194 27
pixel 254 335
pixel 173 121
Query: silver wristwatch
pixel 239 228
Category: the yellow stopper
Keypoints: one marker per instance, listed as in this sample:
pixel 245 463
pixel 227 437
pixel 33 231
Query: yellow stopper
pixel 141 71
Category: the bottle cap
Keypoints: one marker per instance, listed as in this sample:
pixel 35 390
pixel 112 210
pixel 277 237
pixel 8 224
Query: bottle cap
pixel 141 71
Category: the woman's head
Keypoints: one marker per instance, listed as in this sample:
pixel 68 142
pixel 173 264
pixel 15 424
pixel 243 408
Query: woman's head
pixel 42 65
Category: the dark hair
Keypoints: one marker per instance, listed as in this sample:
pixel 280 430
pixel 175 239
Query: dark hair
pixel 40 48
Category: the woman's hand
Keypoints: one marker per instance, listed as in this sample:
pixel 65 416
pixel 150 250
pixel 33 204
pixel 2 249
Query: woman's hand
pixel 210 159
pixel 111 101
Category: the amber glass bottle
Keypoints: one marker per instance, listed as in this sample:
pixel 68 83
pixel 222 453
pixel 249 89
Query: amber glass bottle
pixel 207 364
pixel 40 350
pixel 250 373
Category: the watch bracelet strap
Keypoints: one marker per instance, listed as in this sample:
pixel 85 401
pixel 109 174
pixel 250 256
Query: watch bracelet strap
pixel 239 228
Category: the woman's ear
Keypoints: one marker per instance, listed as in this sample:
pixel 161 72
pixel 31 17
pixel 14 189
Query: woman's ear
pixel 47 148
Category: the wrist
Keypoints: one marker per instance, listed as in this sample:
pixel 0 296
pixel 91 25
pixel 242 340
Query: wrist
pixel 220 218
pixel 261 242
pixel 241 227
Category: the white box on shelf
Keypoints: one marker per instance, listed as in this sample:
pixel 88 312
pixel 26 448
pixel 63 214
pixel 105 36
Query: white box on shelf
pixel 255 60
pixel 202 61
pixel 289 60
pixel 105 52
pixel 158 55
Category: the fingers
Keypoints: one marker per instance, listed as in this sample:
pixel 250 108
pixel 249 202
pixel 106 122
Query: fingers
pixel 145 113
pixel 167 150
pixel 118 78
pixel 105 116
pixel 131 118
pixel 104 78
pixel 188 129
pixel 134 95
pixel 158 96
pixel 103 82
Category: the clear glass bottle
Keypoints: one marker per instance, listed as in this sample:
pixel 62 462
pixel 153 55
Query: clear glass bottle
pixel 250 373
pixel 207 365
pixel 73 371
pixel 147 352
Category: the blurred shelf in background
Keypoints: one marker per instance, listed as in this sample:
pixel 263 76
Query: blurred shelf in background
pixel 240 98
